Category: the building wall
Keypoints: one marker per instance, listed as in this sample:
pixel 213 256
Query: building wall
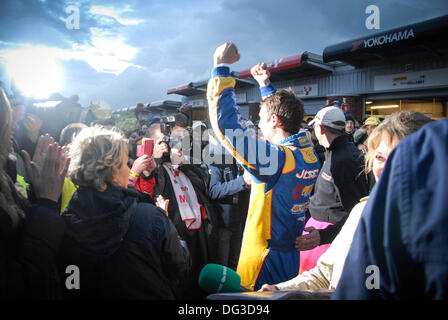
pixel 353 84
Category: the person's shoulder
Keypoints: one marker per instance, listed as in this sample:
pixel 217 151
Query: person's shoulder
pixel 195 172
pixel 359 207
pixel 149 210
pixel 431 137
pixel 149 217
pixel 421 156
pixel 347 150
pixel 343 156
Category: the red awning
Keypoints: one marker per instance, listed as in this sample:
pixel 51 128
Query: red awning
pixel 299 65
pixel 187 90
pixel 290 62
pixel 178 89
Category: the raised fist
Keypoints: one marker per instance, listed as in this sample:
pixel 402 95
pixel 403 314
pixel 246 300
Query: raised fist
pixel 226 53
pixel 261 74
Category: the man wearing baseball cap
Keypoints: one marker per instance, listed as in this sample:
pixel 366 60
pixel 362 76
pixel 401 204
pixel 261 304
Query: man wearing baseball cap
pixel 336 103
pixel 360 136
pixel 370 124
pixel 338 188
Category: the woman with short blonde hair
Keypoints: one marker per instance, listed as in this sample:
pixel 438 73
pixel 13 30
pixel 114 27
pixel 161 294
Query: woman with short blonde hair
pixel 123 245
pixel 97 156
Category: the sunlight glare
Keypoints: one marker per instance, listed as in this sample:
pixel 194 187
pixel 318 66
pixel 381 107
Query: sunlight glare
pixel 34 70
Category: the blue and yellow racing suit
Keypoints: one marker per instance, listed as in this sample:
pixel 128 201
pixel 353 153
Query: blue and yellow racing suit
pixel 283 176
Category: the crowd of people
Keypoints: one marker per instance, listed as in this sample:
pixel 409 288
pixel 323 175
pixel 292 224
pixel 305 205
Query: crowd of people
pixel 287 204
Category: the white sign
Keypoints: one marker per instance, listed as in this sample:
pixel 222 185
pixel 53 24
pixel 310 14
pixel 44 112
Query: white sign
pixel 307 90
pixel 196 103
pixel 409 80
pixel 389 38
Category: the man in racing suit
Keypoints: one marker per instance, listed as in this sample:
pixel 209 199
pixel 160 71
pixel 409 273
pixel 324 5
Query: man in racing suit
pixel 284 168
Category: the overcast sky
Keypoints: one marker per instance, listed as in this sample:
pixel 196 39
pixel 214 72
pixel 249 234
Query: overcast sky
pixel 126 52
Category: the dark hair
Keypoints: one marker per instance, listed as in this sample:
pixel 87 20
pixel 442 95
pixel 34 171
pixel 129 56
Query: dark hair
pixel 128 134
pixel 152 128
pixel 287 107
pixel 181 120
pixel 349 117
pixel 69 132
pixel 333 131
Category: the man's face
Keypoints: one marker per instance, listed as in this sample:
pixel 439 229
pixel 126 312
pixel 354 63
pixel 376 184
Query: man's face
pixel 265 125
pixel 132 141
pixel 158 136
pixel 176 156
pixel 160 147
pixel 178 131
pixel 369 129
pixel 349 126
pixel 318 133
pixel 133 137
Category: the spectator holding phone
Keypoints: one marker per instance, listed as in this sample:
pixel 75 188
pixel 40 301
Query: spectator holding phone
pixel 190 208
pixel 152 148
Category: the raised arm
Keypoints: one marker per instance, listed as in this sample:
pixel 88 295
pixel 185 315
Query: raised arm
pixel 263 160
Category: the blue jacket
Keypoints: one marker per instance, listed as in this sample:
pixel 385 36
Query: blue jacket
pixel 283 176
pixel 226 182
pixel 402 231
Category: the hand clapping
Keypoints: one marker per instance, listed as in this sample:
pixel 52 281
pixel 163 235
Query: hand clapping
pixel 48 168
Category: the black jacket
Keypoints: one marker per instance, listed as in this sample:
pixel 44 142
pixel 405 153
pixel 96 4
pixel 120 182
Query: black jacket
pixel 28 247
pixel 123 245
pixel 339 187
pixel 202 243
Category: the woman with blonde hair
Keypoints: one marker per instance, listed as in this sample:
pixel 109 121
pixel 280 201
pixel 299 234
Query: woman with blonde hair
pixel 30 232
pixel 123 245
pixel 381 142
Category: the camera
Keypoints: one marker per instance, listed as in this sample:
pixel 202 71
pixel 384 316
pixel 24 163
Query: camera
pixel 166 125
pixel 174 139
pixel 171 138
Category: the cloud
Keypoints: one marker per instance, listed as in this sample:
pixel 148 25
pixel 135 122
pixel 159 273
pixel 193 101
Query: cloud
pixel 132 86
pixel 133 52
pixel 115 13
